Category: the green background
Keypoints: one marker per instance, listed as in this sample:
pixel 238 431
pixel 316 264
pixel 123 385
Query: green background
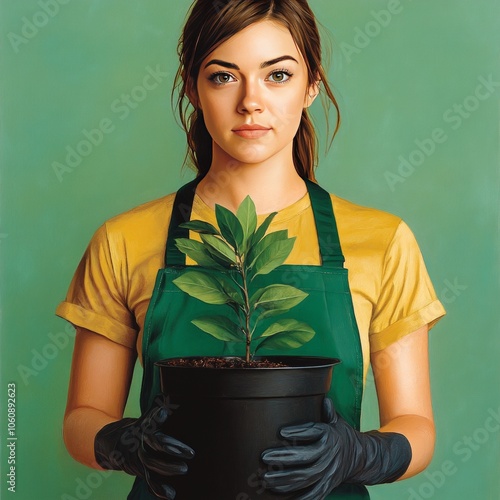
pixel 397 77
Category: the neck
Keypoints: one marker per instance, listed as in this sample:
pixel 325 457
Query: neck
pixel 273 184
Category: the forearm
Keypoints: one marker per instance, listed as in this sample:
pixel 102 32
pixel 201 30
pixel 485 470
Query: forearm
pixel 79 430
pixel 101 372
pixel 420 432
pixel 403 387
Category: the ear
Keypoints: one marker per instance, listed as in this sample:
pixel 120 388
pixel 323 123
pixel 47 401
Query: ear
pixel 312 93
pixel 192 94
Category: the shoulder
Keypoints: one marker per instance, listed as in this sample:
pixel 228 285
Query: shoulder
pixel 152 216
pixel 364 223
pixel 134 235
pixel 370 236
pixel 373 239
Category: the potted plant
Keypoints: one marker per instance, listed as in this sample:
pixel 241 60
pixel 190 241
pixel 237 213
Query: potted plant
pixel 230 409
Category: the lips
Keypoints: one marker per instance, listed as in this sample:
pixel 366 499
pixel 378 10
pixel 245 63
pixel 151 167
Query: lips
pixel 252 131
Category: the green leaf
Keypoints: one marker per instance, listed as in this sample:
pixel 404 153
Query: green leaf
pixel 286 334
pixel 201 286
pixel 273 256
pixel 276 299
pixel 199 226
pixel 220 327
pixel 257 249
pixel 231 289
pixel 223 262
pixel 247 216
pixel 198 252
pixel 287 325
pixel 230 226
pixel 219 248
pixel 261 231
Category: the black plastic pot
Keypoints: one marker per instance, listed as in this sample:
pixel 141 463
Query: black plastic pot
pixel 229 416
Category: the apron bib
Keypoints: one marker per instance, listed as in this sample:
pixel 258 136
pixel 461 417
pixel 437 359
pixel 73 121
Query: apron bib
pixel 328 309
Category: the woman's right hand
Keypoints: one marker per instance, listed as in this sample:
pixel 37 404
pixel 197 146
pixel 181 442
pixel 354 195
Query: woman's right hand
pixel 139 447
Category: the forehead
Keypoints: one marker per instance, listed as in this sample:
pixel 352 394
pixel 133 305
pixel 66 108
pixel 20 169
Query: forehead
pixel 262 41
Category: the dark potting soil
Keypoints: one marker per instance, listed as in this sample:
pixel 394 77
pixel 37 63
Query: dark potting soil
pixel 230 362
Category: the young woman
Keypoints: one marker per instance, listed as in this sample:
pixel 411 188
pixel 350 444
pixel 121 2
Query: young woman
pixel 249 71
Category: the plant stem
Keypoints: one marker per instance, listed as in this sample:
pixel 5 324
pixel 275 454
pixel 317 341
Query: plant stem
pixel 246 329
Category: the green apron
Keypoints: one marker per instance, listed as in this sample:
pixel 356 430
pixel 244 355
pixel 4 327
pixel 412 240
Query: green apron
pixel 328 309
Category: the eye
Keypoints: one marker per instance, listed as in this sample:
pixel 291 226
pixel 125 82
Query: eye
pixel 221 78
pixel 280 76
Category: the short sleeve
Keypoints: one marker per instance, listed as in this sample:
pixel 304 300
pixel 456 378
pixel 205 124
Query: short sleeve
pixel 407 300
pixel 96 299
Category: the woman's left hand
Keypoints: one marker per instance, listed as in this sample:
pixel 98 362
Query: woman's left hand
pixel 324 455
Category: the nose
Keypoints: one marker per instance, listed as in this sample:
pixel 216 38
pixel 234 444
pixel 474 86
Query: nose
pixel 251 100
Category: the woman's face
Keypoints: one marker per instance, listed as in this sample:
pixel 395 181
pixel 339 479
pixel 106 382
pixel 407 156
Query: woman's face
pixel 252 90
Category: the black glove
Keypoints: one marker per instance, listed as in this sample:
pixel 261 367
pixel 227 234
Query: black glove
pixel 138 447
pixel 324 455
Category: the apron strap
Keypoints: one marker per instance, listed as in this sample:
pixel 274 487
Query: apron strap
pixel 326 226
pixel 181 212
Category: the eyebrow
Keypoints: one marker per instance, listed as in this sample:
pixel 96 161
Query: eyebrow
pixel 265 64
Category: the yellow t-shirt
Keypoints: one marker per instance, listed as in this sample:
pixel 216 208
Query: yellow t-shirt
pixel 391 290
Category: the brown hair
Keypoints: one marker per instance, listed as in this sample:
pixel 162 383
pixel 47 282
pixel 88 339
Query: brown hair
pixel 210 23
